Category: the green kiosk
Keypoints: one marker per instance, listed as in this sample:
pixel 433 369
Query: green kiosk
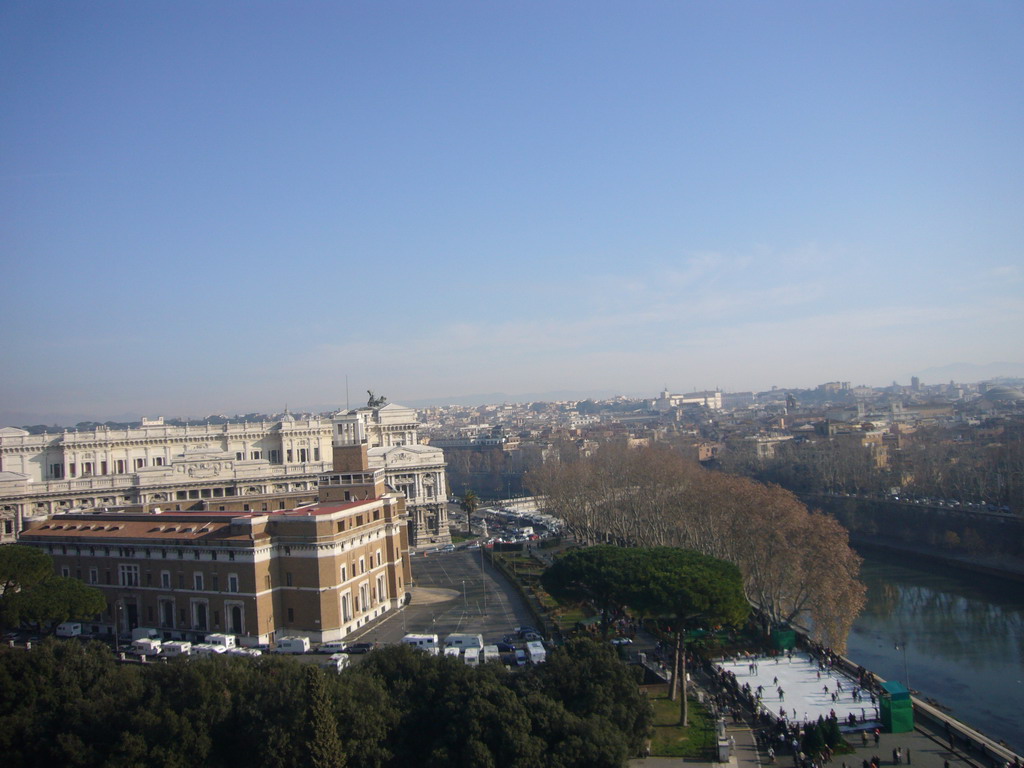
pixel 897 709
pixel 783 638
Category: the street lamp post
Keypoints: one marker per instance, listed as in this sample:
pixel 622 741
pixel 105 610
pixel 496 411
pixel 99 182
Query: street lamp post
pixel 901 645
pixel 117 627
pixel 483 584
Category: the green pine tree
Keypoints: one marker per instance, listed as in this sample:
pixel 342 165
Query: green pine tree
pixel 322 742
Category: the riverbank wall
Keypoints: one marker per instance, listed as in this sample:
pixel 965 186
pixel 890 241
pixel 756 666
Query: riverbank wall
pixel 972 745
pixel 976 541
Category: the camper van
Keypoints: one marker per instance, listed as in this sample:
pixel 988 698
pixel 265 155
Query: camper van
pixel 69 629
pixel 338 661
pixel 207 649
pixel 426 643
pixel 145 646
pixel 535 650
pixel 176 648
pixel 228 641
pixel 491 653
pixel 292 645
pixel 465 642
pixel 452 651
pixel 471 656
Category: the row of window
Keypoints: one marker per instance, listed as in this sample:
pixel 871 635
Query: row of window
pixel 129 576
pixel 200 610
pixel 90 468
pixel 120 466
pixel 365 599
pixel 94 551
pixel 274 455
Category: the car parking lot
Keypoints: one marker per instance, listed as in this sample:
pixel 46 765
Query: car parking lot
pixel 452 594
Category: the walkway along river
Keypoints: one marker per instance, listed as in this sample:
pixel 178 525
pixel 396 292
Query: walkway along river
pixel 956 637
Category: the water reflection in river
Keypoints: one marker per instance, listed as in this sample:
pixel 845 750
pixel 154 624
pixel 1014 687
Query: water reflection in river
pixel 964 639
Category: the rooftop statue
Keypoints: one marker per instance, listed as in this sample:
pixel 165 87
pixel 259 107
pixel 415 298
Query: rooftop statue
pixel 375 402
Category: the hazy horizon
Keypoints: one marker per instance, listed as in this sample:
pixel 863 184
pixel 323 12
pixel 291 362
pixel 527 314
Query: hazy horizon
pixel 356 400
pixel 224 207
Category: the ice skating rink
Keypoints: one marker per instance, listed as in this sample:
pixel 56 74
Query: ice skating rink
pixel 807 690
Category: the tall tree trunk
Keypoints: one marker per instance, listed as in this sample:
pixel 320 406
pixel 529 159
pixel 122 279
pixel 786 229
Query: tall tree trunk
pixel 673 687
pixel 684 712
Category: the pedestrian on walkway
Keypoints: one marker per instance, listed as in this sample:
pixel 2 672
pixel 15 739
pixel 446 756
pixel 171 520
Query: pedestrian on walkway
pixel 895 756
pixel 782 695
pixel 863 738
pixel 878 736
pixel 771 754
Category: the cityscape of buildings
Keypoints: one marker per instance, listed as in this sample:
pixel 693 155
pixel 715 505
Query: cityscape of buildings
pixel 302 524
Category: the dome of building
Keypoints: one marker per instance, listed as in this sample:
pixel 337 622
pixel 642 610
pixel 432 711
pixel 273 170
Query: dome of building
pixel 1001 394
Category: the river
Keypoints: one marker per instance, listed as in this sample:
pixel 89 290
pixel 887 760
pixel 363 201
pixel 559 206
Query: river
pixel 964 639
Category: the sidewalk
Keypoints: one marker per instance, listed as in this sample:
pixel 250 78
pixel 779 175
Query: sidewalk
pixel 920 747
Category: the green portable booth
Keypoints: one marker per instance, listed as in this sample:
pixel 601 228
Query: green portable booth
pixel 783 638
pixel 897 709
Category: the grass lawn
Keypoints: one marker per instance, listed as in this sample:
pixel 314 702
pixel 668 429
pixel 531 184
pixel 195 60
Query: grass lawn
pixel 670 740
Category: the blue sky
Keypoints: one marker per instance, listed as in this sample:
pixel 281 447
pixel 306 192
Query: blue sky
pixel 223 207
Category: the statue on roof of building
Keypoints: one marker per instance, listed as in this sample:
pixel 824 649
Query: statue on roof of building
pixel 375 402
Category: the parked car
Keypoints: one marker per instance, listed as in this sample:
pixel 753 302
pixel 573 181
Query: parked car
pixel 359 647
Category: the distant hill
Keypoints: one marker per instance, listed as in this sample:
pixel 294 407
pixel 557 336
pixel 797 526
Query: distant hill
pixel 493 398
pixel 969 373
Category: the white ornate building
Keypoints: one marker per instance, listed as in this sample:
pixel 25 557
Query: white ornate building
pixel 418 471
pixel 274 465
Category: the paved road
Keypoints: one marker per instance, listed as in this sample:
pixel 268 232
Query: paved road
pixel 451 593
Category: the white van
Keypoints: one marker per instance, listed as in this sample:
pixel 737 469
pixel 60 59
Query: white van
pixel 145 646
pixel 292 645
pixel 465 642
pixel 471 656
pixel 331 646
pixel 452 651
pixel 176 648
pixel 426 643
pixel 249 652
pixel 338 661
pixel 207 649
pixel 536 651
pixel 69 629
pixel 228 641
pixel 491 653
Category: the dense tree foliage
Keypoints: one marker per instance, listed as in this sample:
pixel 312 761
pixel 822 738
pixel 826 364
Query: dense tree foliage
pixel 22 567
pixel 981 463
pixel 683 585
pixel 652 581
pixel 65 703
pixel 793 561
pixel 30 593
